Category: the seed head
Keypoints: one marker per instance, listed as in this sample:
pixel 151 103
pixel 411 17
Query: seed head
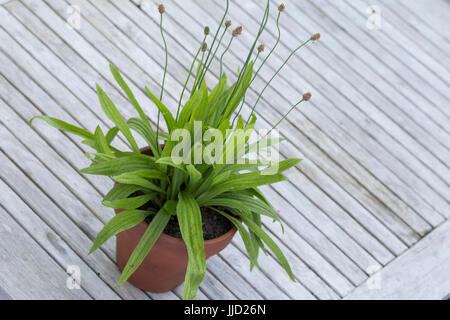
pixel 204 46
pixel 237 31
pixel 206 31
pixel 315 37
pixel 281 7
pixel 307 96
pixel 261 47
pixel 228 23
pixel 161 9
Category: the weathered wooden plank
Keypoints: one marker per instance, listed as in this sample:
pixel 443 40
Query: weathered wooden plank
pixel 4 295
pixel 420 273
pixel 423 64
pixel 361 136
pixel 53 245
pixel 404 20
pixel 63 224
pixel 23 258
pixel 435 16
pixel 308 187
pixel 420 82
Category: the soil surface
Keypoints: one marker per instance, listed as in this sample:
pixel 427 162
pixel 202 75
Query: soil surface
pixel 213 224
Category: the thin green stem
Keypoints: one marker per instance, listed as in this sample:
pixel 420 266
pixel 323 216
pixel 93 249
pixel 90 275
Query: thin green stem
pixel 164 75
pixel 284 117
pixel 273 77
pixel 272 50
pixel 208 63
pixel 220 76
pixel 215 36
pixel 189 76
pixel 241 76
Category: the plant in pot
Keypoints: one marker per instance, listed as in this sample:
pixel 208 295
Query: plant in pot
pixel 181 199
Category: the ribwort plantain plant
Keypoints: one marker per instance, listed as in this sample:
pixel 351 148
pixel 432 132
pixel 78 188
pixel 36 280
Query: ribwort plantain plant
pixel 177 187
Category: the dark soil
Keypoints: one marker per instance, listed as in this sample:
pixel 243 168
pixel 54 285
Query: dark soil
pixel 213 224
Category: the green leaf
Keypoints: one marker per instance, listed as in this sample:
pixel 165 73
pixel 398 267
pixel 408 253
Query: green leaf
pixel 176 162
pixel 239 201
pixel 101 142
pixel 114 115
pixel 64 126
pixel 121 165
pixel 146 132
pixel 270 244
pixel 251 250
pixel 121 222
pixel 129 203
pixel 170 121
pixel 282 165
pixel 121 191
pixel 190 220
pixel 194 177
pixel 111 134
pixel 151 235
pixel 130 95
pixel 136 179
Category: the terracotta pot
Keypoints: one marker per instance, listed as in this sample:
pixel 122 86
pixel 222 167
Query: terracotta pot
pixel 165 266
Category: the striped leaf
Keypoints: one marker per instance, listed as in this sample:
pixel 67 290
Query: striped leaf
pixel 270 244
pixel 114 115
pixel 121 165
pixel 170 121
pixel 121 222
pixel 190 220
pixel 148 240
pixel 129 203
pixel 64 126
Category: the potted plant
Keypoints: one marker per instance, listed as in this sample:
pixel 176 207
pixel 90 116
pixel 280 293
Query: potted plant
pixel 180 199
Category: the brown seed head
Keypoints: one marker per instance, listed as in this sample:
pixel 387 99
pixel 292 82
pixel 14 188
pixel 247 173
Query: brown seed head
pixel 261 47
pixel 237 31
pixel 206 31
pixel 204 46
pixel 307 96
pixel 161 9
pixel 315 37
pixel 228 23
pixel 281 7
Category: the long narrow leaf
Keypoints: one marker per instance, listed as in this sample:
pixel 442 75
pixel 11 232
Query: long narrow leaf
pixel 121 222
pixel 151 235
pixel 114 115
pixel 129 203
pixel 270 244
pixel 64 126
pixel 170 121
pixel 121 165
pixel 190 220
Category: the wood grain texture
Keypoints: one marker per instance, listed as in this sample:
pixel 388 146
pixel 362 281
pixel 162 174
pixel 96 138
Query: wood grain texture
pixel 371 197
pixel 420 273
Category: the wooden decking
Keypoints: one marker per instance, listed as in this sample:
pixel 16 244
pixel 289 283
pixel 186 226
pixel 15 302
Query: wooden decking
pixel 365 217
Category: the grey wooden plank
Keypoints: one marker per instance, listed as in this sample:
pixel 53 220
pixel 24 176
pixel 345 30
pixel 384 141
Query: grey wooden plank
pixel 53 244
pixel 306 182
pixel 421 273
pixel 4 295
pixel 431 69
pixel 357 134
pixel 70 232
pixel 420 82
pixel 435 16
pixel 22 259
pixel 414 30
